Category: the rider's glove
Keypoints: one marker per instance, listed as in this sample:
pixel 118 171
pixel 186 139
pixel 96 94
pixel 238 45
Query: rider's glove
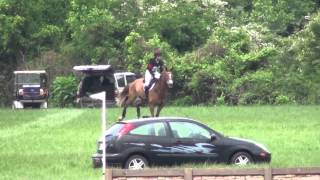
pixel 156 75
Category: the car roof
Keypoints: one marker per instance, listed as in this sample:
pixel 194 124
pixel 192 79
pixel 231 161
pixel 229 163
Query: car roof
pixel 156 119
pixel 87 68
pixel 124 73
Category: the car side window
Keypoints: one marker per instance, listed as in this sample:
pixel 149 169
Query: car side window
pixel 151 129
pixel 189 130
pixel 130 78
pixel 120 80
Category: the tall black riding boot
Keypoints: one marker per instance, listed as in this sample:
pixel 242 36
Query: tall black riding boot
pixel 146 92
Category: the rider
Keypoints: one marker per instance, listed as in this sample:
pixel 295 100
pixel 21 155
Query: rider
pixel 154 68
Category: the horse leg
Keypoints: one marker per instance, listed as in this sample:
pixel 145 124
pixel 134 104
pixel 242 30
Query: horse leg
pixel 151 107
pixel 124 111
pixel 158 110
pixel 138 111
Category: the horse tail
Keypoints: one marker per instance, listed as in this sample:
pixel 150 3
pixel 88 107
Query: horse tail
pixel 123 96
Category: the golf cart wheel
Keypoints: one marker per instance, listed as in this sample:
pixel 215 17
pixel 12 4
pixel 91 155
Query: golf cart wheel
pixel 136 162
pixel 241 158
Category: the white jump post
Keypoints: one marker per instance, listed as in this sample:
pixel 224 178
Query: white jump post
pixel 102 96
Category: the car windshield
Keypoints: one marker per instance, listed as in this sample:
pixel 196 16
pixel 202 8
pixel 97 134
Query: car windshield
pixel 120 80
pixel 28 79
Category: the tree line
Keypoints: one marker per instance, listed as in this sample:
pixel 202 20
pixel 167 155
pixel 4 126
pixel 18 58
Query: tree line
pixel 233 52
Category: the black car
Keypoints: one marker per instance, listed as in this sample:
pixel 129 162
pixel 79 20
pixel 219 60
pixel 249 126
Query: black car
pixel 136 144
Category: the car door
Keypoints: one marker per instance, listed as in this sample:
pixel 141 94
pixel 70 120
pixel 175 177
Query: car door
pixel 192 142
pixel 154 137
pixel 119 81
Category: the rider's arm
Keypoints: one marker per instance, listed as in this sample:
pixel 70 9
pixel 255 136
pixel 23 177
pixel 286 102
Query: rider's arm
pixel 150 67
pixel 161 66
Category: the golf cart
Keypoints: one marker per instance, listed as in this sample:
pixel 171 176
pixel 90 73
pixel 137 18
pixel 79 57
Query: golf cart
pixel 30 89
pixel 97 78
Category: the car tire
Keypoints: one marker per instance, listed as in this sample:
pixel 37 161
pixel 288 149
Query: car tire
pixel 136 162
pixel 241 158
pixel 96 164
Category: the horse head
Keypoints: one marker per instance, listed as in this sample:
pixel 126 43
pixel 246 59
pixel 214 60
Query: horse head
pixel 167 75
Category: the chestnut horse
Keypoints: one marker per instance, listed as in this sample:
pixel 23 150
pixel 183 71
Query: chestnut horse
pixel 134 93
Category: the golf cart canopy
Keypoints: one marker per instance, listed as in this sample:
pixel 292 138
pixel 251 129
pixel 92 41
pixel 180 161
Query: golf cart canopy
pixel 34 77
pixel 30 72
pixel 90 68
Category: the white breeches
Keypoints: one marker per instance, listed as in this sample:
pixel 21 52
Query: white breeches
pixel 148 77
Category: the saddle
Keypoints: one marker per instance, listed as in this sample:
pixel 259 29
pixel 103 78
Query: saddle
pixel 151 85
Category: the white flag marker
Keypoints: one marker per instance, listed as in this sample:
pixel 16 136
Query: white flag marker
pixel 102 96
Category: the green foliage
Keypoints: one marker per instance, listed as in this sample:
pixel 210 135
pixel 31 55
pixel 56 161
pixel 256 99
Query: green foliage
pixel 28 26
pixel 92 33
pixel 255 88
pixel 281 17
pixel 63 91
pixel 202 87
pixel 233 65
pixel 221 100
pixel 98 31
pixel 298 66
pixel 183 101
pixel 184 25
pixel 140 51
pixel 282 99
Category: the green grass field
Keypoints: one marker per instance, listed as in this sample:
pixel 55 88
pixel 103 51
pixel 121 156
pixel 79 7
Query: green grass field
pixel 58 143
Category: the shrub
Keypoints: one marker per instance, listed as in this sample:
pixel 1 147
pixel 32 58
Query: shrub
pixel 202 86
pixel 255 88
pixel 282 99
pixel 63 91
pixel 220 100
pixel 183 101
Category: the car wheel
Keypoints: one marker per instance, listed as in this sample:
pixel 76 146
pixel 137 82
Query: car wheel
pixel 96 163
pixel 136 162
pixel 241 158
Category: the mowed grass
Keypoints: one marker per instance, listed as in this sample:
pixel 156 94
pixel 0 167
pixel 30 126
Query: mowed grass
pixel 58 143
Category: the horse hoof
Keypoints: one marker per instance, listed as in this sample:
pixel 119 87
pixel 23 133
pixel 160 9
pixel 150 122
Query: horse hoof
pixel 120 118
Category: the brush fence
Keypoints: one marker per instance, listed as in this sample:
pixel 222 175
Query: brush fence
pixel 215 174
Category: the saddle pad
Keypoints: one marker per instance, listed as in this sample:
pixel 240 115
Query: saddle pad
pixel 153 83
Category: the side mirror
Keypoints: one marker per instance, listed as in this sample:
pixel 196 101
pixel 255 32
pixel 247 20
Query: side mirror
pixel 213 137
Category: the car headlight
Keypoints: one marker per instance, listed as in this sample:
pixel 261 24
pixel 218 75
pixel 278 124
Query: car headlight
pixel 41 92
pixel 263 147
pixel 20 92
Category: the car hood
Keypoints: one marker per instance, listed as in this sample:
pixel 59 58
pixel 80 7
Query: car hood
pixel 248 141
